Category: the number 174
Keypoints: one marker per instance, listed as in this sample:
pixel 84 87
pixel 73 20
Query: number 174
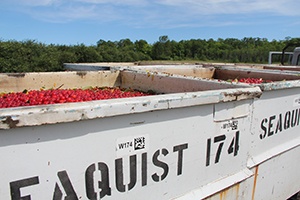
pixel 220 140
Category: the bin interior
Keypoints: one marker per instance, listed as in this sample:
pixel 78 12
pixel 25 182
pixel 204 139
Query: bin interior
pixel 283 68
pixel 184 70
pixel 142 81
pixel 257 66
pixel 223 72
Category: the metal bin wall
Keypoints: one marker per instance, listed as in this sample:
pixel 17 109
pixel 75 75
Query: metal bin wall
pixel 274 139
pixel 189 141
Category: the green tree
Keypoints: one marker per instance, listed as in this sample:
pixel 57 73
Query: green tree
pixel 162 50
pixel 31 55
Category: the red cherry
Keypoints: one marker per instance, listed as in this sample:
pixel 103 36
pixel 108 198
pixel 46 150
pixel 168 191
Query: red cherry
pixel 43 97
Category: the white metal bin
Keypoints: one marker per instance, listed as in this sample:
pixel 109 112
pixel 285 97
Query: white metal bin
pixel 274 139
pixel 188 142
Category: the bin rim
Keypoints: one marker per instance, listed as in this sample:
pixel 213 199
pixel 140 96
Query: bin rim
pixel 69 112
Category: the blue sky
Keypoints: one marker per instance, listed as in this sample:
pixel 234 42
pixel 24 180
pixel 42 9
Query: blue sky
pixel 74 22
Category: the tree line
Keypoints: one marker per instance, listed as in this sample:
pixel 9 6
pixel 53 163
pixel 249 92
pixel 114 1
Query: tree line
pixel 34 56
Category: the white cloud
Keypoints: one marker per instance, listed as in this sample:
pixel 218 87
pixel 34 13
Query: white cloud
pixel 67 14
pixel 156 13
pixel 282 7
pixel 116 2
pixel 31 3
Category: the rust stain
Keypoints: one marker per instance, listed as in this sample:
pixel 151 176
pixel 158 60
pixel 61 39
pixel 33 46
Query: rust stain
pixel 237 189
pixel 223 194
pixel 152 77
pixel 254 183
pixel 11 123
pixel 237 94
pixel 17 75
pixel 140 122
pixel 81 74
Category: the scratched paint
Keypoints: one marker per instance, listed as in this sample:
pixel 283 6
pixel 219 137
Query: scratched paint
pixel 184 141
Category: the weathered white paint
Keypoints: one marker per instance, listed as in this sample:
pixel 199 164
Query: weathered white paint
pixel 177 137
pixel 17 82
pixel 274 134
pixel 182 91
pixel 63 149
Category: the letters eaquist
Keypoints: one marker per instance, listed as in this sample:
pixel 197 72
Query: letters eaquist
pixel 65 189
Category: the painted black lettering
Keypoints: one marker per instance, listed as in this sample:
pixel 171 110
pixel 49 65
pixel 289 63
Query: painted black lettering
pixel 144 169
pixel 132 172
pixel 180 149
pixel 103 184
pixel 287 120
pixel 219 139
pixel 119 174
pixel 294 118
pixel 208 149
pixel 279 124
pixel 15 187
pixel 270 132
pixel 298 119
pixel 89 182
pixel 67 186
pixel 160 164
pixel 283 122
pixel 234 144
pixel 264 128
pixel 57 193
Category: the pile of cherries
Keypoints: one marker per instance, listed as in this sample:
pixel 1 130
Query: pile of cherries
pixel 252 80
pixel 54 96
